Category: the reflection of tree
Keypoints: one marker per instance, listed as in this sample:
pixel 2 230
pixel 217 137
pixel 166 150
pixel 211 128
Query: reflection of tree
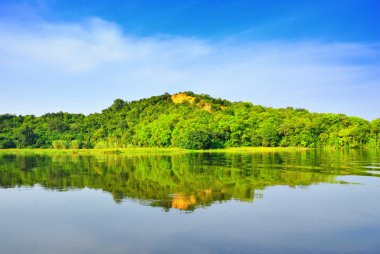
pixel 185 181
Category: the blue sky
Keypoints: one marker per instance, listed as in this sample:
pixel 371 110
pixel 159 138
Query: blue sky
pixel 78 56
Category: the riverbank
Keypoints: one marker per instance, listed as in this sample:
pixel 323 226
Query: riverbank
pixel 146 150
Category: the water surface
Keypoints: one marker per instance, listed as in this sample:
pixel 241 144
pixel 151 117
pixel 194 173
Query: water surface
pixel 288 202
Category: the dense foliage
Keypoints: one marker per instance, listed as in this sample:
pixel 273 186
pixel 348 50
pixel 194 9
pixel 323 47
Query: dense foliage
pixel 189 121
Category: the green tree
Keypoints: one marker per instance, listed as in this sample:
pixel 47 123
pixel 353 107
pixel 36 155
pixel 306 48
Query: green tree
pixel 26 137
pixel 60 144
pixel 75 144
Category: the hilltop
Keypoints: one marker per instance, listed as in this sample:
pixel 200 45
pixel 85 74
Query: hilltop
pixel 188 120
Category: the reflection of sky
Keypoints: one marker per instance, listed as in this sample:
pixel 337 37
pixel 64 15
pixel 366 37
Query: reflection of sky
pixel 79 56
pixel 322 218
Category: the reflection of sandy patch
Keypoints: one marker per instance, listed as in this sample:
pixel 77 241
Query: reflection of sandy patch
pixel 182 202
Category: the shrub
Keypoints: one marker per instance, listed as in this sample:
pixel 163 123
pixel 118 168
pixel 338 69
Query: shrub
pixel 59 144
pixel 75 144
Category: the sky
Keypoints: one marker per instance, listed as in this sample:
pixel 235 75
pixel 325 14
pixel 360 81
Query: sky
pixel 79 56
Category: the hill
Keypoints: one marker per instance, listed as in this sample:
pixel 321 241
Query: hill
pixel 190 121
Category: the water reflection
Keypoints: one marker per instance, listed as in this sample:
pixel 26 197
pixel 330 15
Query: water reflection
pixel 184 181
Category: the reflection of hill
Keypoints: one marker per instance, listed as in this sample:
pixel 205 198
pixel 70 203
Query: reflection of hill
pixel 185 181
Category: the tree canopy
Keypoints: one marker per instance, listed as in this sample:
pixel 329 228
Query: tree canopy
pixel 190 121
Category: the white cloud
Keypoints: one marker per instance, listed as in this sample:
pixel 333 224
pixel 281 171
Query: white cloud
pixel 82 67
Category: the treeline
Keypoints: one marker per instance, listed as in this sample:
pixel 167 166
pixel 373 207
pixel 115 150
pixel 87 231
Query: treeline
pixel 190 121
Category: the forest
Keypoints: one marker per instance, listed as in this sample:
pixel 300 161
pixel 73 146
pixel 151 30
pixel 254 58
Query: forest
pixel 190 121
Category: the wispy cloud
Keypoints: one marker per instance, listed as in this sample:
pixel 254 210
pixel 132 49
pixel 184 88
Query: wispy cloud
pixel 82 67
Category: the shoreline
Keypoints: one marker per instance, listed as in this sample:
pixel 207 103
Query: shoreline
pixel 151 150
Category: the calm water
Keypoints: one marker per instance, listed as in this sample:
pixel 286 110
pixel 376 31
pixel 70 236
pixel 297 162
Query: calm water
pixel 298 202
